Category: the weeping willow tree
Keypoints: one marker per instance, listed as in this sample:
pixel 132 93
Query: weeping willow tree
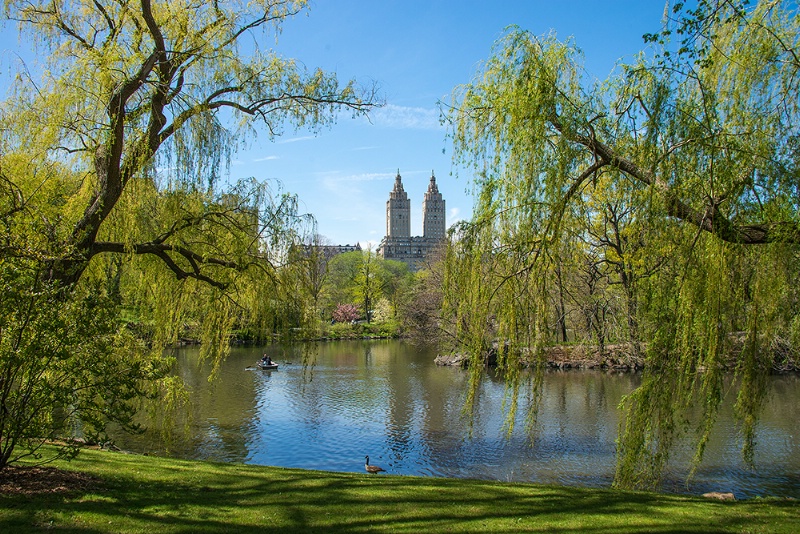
pixel 112 151
pixel 664 200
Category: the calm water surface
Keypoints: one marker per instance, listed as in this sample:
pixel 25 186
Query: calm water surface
pixel 388 400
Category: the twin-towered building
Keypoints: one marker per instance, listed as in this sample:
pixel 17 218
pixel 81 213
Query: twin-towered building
pixel 399 244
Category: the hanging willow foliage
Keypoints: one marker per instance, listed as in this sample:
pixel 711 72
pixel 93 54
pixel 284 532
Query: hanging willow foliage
pixel 111 153
pixel 658 209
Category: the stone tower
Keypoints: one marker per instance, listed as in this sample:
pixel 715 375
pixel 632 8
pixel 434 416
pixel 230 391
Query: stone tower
pixel 398 243
pixel 433 212
pixel 398 211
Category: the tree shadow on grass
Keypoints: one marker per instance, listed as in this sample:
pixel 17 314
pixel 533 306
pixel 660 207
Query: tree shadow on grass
pixel 177 496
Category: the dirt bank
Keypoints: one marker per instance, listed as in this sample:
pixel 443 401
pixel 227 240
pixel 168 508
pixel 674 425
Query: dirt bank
pixel 614 357
pixel 622 357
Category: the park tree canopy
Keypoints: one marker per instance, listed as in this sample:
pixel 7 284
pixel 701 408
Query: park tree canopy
pixel 130 88
pixel 111 153
pixel 658 208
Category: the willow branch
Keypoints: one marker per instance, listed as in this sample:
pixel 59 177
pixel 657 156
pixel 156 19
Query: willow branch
pixel 163 251
pixel 710 219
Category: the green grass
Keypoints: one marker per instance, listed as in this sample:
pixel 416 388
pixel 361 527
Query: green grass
pixel 158 495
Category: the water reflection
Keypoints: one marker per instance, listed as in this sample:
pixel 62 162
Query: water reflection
pixel 388 400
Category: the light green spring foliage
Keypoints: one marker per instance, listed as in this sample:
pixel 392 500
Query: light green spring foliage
pixel 363 278
pixel 339 287
pixel 66 370
pixel 657 207
pixel 112 150
pixel 368 283
pixel 143 104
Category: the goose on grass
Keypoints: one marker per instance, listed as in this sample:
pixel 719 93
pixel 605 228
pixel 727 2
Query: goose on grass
pixel 372 468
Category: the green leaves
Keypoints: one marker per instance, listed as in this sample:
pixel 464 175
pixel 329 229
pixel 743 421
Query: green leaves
pixel 643 210
pixel 111 153
pixel 66 369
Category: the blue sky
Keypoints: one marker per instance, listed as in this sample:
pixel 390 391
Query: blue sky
pixel 417 51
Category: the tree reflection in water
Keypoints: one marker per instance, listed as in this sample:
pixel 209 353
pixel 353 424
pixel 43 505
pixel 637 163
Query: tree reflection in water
pixel 389 400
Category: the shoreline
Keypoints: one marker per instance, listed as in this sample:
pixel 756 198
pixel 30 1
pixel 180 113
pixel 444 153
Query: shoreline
pixel 563 357
pixel 619 357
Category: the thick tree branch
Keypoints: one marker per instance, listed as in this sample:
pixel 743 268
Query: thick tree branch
pixel 108 157
pixel 163 251
pixel 710 219
pixel 155 99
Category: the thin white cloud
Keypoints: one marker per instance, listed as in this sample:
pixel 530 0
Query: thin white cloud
pixel 368 177
pixel 406 118
pixel 454 216
pixel 267 158
pixel 296 139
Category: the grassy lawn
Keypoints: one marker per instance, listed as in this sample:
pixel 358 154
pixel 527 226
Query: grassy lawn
pixel 157 495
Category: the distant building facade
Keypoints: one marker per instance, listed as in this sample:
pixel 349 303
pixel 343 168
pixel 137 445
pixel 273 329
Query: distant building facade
pixel 399 244
pixel 329 251
pixel 333 250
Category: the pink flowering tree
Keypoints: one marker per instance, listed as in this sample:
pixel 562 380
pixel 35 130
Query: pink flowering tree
pixel 345 313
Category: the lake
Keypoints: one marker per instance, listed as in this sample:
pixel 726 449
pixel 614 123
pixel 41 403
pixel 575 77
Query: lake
pixel 388 400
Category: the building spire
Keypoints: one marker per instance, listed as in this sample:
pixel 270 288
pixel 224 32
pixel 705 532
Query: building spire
pixel 398 183
pixel 432 187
